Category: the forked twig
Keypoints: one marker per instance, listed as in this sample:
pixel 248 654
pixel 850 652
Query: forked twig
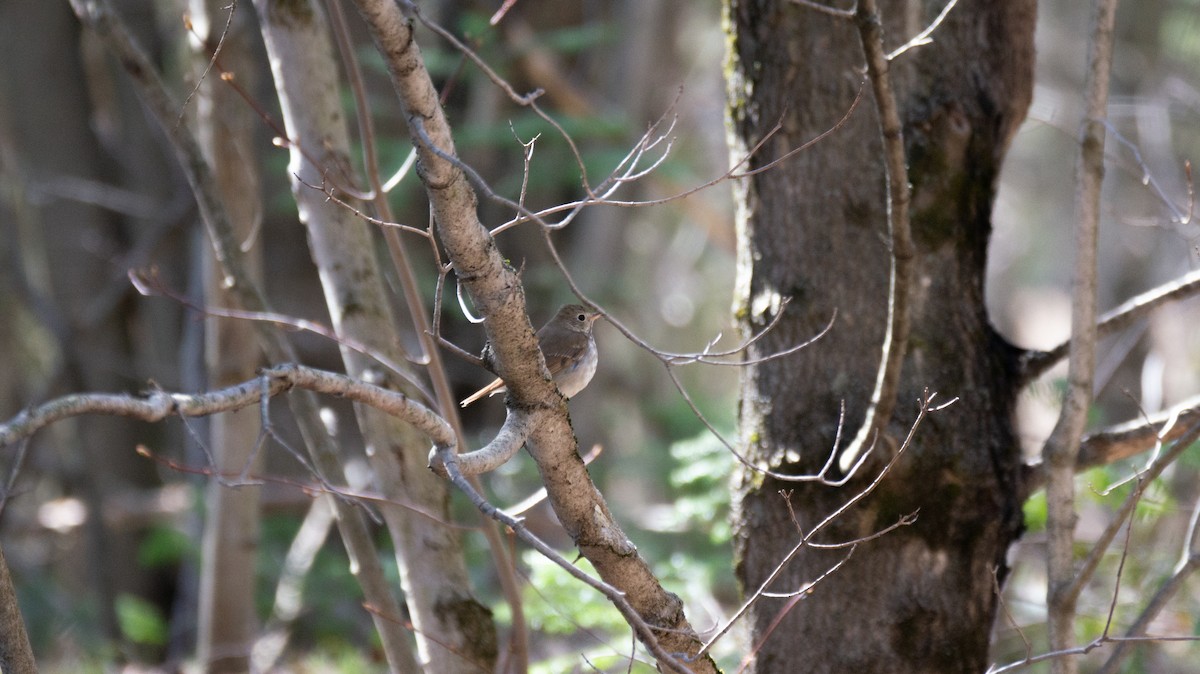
pixel 925 408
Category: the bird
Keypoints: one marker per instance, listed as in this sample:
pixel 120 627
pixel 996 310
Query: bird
pixel 569 348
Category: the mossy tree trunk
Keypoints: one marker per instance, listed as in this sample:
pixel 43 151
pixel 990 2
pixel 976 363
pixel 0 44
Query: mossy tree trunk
pixel 921 598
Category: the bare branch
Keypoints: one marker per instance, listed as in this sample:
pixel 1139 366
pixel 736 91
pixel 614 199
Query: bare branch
pixel 495 291
pixel 298 561
pixel 1098 642
pixel 1008 614
pixel 899 194
pixel 1188 563
pixel 150 284
pixel 923 38
pixel 925 408
pixel 1132 310
pixel 154 406
pixel 1126 440
pixel 795 597
pixel 508 441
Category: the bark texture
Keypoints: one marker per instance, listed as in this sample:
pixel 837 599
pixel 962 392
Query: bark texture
pixel 455 633
pixel 228 621
pixel 16 655
pixel 814 230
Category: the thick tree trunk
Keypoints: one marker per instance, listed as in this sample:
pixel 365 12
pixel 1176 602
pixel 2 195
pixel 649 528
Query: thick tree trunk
pixel 814 230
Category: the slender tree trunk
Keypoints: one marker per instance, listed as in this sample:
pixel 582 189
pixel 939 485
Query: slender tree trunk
pixel 813 230
pixel 455 633
pixel 228 623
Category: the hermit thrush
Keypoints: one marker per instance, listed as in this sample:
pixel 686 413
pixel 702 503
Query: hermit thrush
pixel 569 349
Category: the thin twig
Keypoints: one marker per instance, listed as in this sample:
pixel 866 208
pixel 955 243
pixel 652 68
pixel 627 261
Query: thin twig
pixel 923 38
pixel 1008 614
pixel 1188 563
pixel 150 284
pixel 1087 648
pixel 795 598
pixel 925 408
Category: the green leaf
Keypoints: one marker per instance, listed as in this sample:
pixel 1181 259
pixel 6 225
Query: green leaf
pixel 163 547
pixel 1035 512
pixel 140 621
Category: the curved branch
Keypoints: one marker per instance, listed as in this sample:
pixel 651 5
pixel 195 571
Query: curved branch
pixel 895 341
pixel 157 405
pixel 508 441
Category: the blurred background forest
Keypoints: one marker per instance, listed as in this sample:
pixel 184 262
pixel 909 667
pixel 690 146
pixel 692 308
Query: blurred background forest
pixel 103 544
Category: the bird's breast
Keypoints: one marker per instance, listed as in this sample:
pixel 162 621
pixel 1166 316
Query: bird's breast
pixel 575 377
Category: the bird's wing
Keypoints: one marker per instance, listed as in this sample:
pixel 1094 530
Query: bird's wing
pixel 566 351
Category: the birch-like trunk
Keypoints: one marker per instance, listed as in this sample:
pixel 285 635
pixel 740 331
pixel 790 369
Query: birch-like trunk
pixel 454 632
pixel 227 622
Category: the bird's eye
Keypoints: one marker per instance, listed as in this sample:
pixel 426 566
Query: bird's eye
pixel 581 318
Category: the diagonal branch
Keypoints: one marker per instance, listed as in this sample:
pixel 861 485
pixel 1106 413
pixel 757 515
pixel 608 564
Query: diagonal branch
pixel 1123 441
pixel 1126 440
pixel 496 292
pixel 1036 363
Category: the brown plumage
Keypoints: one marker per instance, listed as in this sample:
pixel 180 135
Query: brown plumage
pixel 569 348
